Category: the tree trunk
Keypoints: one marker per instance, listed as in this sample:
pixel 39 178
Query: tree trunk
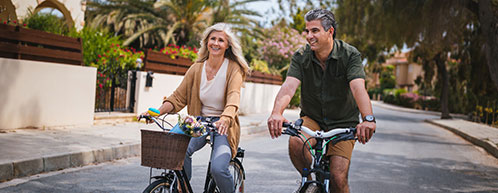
pixel 445 79
pixel 489 26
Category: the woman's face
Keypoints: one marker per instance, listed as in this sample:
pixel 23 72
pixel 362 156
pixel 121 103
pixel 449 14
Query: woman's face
pixel 217 43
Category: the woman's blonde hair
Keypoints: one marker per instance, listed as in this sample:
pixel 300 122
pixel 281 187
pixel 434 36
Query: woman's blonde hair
pixel 233 52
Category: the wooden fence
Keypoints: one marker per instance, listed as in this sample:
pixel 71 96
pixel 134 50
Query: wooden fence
pixel 20 43
pixel 265 78
pixel 161 63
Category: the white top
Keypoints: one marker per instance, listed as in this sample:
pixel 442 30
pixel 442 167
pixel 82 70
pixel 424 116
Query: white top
pixel 212 92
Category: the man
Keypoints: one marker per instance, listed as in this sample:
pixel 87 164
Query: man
pixel 333 95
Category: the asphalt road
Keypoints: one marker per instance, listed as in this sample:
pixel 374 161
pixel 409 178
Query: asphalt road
pixel 405 155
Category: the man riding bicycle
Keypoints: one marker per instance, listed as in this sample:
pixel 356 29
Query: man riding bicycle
pixel 333 95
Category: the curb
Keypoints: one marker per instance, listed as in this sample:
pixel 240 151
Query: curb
pixel 28 167
pixel 22 168
pixel 410 110
pixel 487 145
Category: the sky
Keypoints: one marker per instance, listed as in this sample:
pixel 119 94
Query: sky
pixel 264 8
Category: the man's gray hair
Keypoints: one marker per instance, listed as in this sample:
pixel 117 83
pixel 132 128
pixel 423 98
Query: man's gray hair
pixel 326 17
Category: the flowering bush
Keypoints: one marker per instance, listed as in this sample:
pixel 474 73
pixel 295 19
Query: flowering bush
pixel 279 45
pixel 115 61
pixel 176 51
pixel 408 99
pixel 190 126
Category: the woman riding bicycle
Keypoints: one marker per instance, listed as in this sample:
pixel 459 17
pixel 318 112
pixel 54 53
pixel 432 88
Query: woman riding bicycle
pixel 211 88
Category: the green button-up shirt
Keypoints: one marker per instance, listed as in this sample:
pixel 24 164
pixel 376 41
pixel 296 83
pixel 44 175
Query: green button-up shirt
pixel 325 95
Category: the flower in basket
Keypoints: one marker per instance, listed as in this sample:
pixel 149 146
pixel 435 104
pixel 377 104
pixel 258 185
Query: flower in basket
pixel 189 125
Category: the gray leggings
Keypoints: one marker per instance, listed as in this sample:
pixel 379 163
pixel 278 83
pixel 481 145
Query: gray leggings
pixel 220 160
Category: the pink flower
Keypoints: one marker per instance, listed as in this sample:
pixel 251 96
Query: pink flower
pixel 100 85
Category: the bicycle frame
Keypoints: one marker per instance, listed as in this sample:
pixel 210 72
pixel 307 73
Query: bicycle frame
pixel 319 166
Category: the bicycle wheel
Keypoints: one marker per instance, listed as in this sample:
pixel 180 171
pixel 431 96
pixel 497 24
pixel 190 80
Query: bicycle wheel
pixel 159 186
pixel 238 175
pixel 313 189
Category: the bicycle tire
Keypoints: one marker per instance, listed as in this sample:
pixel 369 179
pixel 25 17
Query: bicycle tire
pixel 313 189
pixel 238 175
pixel 161 185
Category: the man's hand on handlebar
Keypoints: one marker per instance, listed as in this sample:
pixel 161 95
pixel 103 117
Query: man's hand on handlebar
pixel 364 131
pixel 275 125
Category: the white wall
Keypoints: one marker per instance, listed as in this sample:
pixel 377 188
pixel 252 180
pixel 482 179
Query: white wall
pixel 163 85
pixel 255 97
pixel 43 94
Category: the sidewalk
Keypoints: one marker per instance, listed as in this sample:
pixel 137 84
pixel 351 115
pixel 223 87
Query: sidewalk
pixel 479 134
pixel 26 152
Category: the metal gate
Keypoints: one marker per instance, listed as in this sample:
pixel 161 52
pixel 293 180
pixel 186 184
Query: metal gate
pixel 113 93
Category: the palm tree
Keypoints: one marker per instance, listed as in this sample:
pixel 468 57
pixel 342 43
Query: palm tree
pixel 189 17
pixel 244 21
pixel 136 20
pixel 150 23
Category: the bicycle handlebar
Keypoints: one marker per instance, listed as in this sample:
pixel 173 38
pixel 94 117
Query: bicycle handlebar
pixel 293 129
pixel 207 124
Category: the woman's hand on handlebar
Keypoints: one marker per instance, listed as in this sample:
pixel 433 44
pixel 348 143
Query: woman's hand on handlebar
pixel 145 115
pixel 222 124
pixel 275 125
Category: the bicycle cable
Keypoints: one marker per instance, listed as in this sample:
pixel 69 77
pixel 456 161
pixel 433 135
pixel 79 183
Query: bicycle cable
pixel 329 141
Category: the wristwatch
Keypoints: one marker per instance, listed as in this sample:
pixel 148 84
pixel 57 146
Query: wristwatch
pixel 369 118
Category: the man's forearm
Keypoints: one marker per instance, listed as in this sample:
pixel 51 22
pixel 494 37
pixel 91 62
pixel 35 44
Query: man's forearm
pixel 283 98
pixel 285 94
pixel 361 97
pixel 364 103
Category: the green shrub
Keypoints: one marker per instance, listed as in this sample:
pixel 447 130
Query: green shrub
pixel 398 92
pixel 387 78
pixel 260 66
pixel 296 99
pixel 48 23
pixel 115 63
pixel 96 42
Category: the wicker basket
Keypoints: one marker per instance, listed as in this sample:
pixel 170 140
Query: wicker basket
pixel 163 150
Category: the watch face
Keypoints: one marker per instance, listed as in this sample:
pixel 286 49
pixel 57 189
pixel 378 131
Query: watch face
pixel 369 118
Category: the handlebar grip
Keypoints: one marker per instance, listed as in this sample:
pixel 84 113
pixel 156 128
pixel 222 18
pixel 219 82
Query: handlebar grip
pixel 153 112
pixel 284 124
pixel 144 117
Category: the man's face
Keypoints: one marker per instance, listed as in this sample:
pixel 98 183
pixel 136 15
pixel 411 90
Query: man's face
pixel 316 36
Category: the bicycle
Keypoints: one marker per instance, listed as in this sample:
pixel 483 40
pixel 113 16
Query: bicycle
pixel 319 171
pixel 174 176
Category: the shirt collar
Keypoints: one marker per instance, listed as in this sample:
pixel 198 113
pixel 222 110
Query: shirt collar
pixel 333 55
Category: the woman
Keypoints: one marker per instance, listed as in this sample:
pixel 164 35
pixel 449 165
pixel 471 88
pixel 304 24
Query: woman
pixel 211 87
